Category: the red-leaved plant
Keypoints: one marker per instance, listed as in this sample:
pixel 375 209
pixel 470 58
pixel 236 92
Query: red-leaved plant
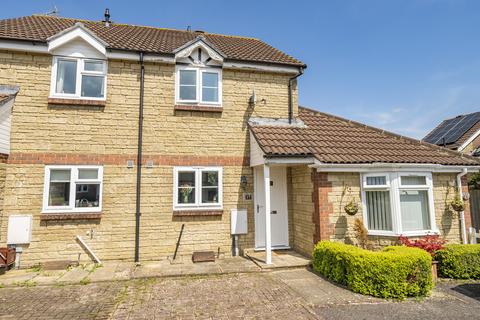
pixel 430 243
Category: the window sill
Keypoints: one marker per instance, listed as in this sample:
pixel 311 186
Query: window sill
pixel 70 216
pixel 195 107
pixel 198 213
pixel 77 102
pixel 406 234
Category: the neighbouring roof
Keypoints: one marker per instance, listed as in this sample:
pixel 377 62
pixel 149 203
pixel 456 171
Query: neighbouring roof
pixel 141 38
pixel 7 93
pixel 452 133
pixel 334 140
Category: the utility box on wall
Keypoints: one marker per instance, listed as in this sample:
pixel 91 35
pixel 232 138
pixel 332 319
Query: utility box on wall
pixel 19 229
pixel 239 221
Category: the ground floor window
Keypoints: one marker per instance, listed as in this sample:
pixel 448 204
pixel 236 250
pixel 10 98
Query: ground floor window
pixel 197 188
pixel 72 189
pixel 398 203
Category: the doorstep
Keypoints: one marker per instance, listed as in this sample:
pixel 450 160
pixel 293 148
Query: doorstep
pixel 281 259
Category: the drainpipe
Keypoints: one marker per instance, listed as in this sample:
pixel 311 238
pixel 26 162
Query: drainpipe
pixel 290 95
pixel 139 161
pixel 463 230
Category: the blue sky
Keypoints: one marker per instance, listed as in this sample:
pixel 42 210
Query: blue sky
pixel 402 65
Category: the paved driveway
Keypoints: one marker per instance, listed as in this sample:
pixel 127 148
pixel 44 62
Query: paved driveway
pixel 294 294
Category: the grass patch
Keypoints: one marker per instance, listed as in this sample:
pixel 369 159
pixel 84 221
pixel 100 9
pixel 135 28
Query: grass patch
pixel 85 281
pixel 35 268
pixel 26 284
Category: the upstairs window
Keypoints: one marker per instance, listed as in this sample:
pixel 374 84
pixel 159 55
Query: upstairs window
pixel 398 203
pixel 198 85
pixel 78 78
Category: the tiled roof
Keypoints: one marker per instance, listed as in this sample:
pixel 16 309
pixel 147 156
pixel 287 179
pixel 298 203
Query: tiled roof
pixel 335 140
pixel 147 39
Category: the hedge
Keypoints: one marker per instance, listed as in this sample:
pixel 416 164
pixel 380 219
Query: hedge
pixel 459 261
pixel 396 272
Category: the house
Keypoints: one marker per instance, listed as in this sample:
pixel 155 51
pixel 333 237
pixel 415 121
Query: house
pixel 138 143
pixel 461 133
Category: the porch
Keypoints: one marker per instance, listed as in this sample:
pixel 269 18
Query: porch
pixel 285 237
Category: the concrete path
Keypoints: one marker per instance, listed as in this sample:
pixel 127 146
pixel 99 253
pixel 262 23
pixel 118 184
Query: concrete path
pixel 114 271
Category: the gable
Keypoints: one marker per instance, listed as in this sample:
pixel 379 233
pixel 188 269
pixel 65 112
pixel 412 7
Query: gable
pixel 199 52
pixel 77 41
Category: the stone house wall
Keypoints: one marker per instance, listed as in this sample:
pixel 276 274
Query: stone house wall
pixel 47 134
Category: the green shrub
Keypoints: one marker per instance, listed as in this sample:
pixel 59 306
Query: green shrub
pixel 396 272
pixel 459 261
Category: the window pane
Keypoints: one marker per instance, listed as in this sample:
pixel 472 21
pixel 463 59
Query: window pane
pixel 96 66
pixel 92 86
pixel 414 180
pixel 66 76
pixel 210 178
pixel 414 210
pixel 186 187
pixel 59 193
pixel 90 174
pixel 379 210
pixel 210 187
pixel 60 175
pixel 210 94
pixel 188 93
pixel 210 79
pixel 376 181
pixel 87 195
pixel 210 195
pixel 188 77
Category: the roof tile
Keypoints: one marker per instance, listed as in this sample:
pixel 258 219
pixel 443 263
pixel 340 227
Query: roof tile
pixel 141 38
pixel 331 139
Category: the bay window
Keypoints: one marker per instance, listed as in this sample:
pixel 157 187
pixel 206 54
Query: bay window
pixel 72 189
pixel 78 78
pixel 197 188
pixel 198 85
pixel 398 203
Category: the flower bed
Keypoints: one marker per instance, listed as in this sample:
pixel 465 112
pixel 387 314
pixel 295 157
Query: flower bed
pixel 459 261
pixel 395 272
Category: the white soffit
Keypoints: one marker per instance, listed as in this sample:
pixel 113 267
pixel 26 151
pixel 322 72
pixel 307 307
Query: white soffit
pixel 78 31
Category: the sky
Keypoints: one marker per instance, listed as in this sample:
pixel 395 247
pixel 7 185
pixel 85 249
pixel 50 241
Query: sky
pixel 400 65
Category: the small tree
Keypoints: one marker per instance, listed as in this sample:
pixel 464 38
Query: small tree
pixel 361 234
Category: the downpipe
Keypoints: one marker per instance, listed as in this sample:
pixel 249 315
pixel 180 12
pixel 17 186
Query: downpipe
pixel 290 95
pixel 463 229
pixel 139 161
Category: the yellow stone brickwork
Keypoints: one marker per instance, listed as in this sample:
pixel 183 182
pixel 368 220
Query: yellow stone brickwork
pixel 301 207
pixel 183 136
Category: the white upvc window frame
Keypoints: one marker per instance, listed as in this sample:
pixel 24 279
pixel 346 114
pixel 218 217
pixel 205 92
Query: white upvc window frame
pixel 74 180
pixel 80 72
pixel 199 85
pixel 198 205
pixel 395 187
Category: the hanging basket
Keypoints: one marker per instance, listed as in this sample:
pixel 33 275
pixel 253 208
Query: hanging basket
pixel 351 208
pixel 457 204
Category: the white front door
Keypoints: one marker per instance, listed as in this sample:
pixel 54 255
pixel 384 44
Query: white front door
pixel 279 207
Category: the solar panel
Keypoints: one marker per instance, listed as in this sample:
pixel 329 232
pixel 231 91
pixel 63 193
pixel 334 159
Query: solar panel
pixel 452 129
